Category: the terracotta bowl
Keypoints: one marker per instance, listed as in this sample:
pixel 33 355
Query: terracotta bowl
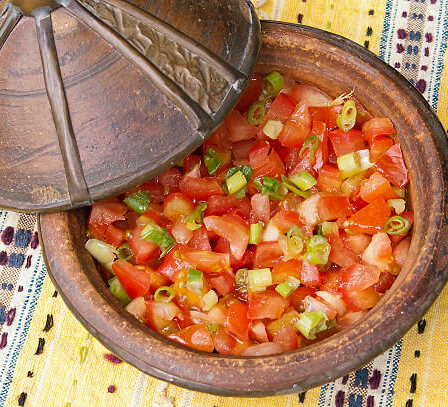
pixel 335 65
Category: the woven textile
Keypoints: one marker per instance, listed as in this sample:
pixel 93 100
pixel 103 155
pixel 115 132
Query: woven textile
pixel 48 359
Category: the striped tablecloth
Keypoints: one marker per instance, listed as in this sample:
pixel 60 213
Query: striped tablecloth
pixel 48 359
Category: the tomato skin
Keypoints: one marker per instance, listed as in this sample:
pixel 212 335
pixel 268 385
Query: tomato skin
pixel 143 250
pixel 297 128
pixel 199 240
pixel 377 127
pixel 238 127
pixel 360 300
pixel 201 188
pixel 206 261
pixel 265 161
pixel 220 204
pixel 267 304
pixel 281 108
pixel 379 146
pixel 331 207
pixel 135 282
pixel 177 204
pixel 237 322
pixel 346 142
pixel 172 263
pixel 287 338
pixel 391 165
pixel 233 229
pixel 194 336
pixel 260 208
pixel 224 284
pixel 376 187
pixel 283 269
pixel 359 276
pixel 267 254
pixel 251 93
pixel 370 219
pixel 326 114
pixel 310 275
pixel 329 179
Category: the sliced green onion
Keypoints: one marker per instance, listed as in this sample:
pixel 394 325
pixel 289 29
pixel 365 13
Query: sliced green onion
pixel 398 205
pixel 349 186
pixel 292 187
pixel 161 237
pixel 304 180
pixel 397 225
pixel 325 228
pixel 273 128
pixel 256 113
pixel 273 83
pixel 311 323
pixel 347 119
pixel 138 201
pixel 255 233
pixel 209 300
pixel 258 280
pixel 294 239
pixel 195 282
pixel 288 287
pixel 270 186
pixel 117 290
pixel 311 144
pixel 354 163
pixel 124 252
pixel 318 250
pixel 212 327
pixel 194 220
pixel 164 294
pixel 241 193
pixel 236 182
pixel 241 277
pixel 102 252
pixel 212 160
pixel 245 169
pixel 401 192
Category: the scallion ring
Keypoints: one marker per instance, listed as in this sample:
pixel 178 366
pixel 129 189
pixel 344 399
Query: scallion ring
pixel 311 144
pixel 347 119
pixel 256 113
pixel 397 225
pixel 273 83
pixel 164 294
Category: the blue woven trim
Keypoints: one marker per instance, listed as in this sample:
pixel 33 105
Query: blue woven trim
pixel 385 35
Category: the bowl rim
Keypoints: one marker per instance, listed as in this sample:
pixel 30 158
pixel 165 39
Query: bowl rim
pixel 200 360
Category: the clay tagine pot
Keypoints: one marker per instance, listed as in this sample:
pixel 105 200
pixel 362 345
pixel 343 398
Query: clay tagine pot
pixel 335 65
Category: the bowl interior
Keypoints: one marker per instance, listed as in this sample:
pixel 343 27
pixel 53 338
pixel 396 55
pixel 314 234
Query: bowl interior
pixel 337 66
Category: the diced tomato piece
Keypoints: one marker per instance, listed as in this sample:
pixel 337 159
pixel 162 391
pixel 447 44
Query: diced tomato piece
pixel 172 263
pixel 326 114
pixel 377 127
pixel 378 147
pixel 329 179
pixel 267 254
pixel 287 337
pixel 385 282
pixel 237 322
pixel 379 251
pixel 300 294
pixel 309 95
pixel 281 108
pixel 362 115
pixel 180 232
pixel 265 161
pixel 331 207
pixel 107 212
pixel 206 261
pixel 257 331
pixel 223 284
pixel 284 219
pixel 143 250
pixel 199 239
pixel 160 316
pixel 267 304
pixel 312 304
pixel 191 161
pixel 240 151
pixel 360 300
pixel 221 204
pixel 251 93
pixel 233 229
pixel 195 336
pixel 346 142
pixel 224 343
pixel 177 204
pixel 357 243
pixel 156 191
pixel 321 155
pixel 392 166
pixel 170 178
pixel 114 236
pixel 310 275
pixel 297 128
pixel 331 280
pixel 359 276
pixel 370 219
pixel 201 188
pixel 376 187
pixel 401 252
pixel 136 282
pixel 341 255
pixel 261 208
pixel 223 246
pixel 283 269
pixel 238 127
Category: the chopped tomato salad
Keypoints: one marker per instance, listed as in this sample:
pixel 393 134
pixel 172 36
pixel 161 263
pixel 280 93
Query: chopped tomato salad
pixel 287 225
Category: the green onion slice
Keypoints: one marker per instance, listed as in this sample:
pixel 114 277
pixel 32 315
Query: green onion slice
pixel 347 119
pixel 255 233
pixel 256 113
pixel 258 280
pixel 270 186
pixel 325 228
pixel 311 323
pixel 288 287
pixel 311 144
pixel 138 201
pixel 194 220
pixel 124 252
pixel 294 239
pixel 245 169
pixel 317 250
pixel 304 180
pixel 292 187
pixel 273 128
pixel 241 277
pixel 212 160
pixel 161 237
pixel 236 182
pixel 273 83
pixel 354 163
pixel 212 327
pixel 164 294
pixel 397 225
pixel 195 282
pixel 397 205
pixel 117 290
pixel 102 252
pixel 209 300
